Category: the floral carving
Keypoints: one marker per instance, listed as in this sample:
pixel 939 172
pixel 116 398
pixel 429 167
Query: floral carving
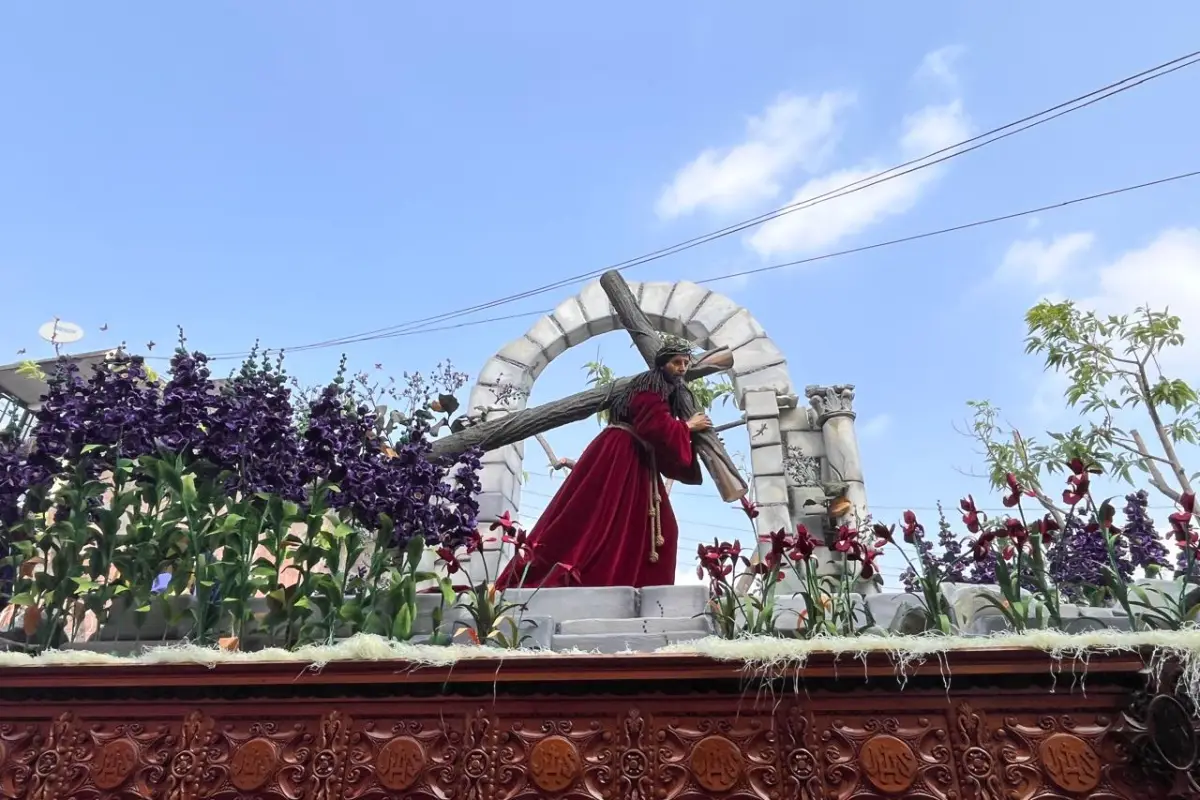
pixel 416 757
pixel 533 758
pixel 1047 755
pixel 19 748
pixel 892 755
pixel 635 776
pixel 973 747
pixel 197 761
pixel 701 756
pixel 798 748
pixel 60 767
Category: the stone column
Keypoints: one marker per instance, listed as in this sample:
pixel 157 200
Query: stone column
pixel 833 409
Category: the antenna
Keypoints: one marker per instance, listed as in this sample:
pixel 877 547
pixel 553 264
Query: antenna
pixel 57 332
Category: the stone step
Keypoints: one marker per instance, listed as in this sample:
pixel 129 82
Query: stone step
pixel 653 625
pixel 577 602
pixel 671 601
pixel 622 642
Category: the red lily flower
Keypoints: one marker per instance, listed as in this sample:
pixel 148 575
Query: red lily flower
pixel 474 541
pixel 1008 553
pixel 1046 527
pixel 519 539
pixel 1015 491
pixel 1079 481
pixel 805 545
pixel 780 542
pixel 505 522
pixel 447 557
pixel 1013 529
pixel 750 508
pixel 849 543
pixel 1181 521
pixel 982 546
pixel 973 518
pixel 884 532
pixel 571 572
pixel 868 563
pixel 912 528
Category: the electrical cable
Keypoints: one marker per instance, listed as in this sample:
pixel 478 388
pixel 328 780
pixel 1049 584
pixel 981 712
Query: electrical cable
pixel 946 153
pixel 850 251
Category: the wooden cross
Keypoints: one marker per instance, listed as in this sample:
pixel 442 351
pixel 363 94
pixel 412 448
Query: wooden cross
pixel 519 426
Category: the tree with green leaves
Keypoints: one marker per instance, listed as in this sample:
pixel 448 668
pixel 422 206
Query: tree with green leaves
pixel 1114 368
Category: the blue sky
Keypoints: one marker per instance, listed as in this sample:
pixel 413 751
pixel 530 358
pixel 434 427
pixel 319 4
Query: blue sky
pixel 295 172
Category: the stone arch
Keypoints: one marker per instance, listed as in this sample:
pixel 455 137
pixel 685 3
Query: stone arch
pixel 762 384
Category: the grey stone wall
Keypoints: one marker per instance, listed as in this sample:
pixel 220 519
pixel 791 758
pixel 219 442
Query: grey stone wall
pixel 762 388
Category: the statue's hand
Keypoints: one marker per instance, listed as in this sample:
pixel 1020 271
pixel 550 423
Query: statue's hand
pixel 699 422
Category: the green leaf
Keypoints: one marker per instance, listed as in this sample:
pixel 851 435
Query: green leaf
pixel 188 492
pixel 402 625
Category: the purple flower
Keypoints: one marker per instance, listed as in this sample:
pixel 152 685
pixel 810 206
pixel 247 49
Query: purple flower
pixel 1078 557
pixel 1146 549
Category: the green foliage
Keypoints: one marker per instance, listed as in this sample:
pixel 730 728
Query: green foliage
pixel 1113 366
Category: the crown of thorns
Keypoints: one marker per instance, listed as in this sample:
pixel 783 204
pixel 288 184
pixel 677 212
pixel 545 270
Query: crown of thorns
pixel 672 346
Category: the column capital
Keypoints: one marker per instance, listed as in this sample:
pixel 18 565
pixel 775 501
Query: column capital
pixel 831 401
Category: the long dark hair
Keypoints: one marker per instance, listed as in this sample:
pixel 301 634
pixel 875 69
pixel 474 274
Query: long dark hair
pixel 672 390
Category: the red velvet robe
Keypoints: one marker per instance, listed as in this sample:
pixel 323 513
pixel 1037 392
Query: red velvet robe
pixel 596 530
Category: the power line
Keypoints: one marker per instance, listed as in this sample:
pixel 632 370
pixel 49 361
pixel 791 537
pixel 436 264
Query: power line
pixel 772 267
pixel 923 162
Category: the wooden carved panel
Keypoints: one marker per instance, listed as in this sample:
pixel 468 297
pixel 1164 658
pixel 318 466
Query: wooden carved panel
pixel 700 757
pixel 892 756
pixel 1048 755
pixel 282 741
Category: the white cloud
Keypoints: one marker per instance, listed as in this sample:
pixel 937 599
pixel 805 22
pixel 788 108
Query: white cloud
pixel 820 226
pixel 1043 263
pixel 938 66
pixel 794 132
pixel 1163 274
pixel 875 426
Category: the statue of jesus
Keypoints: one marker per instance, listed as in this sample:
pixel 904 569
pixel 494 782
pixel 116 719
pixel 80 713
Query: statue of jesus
pixel 611 523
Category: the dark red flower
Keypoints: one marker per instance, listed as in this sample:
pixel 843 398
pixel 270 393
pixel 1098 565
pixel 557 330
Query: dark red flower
pixel 1079 482
pixel 571 572
pixel 868 563
pixel 750 508
pixel 780 542
pixel 1181 521
pixel 1046 527
pixel 849 543
pixel 447 557
pixel 1015 491
pixel 972 517
pixel 805 545
pixel 504 522
pixel 1013 529
pixel 884 532
pixel 981 547
pixel 519 539
pixel 473 541
pixel 912 528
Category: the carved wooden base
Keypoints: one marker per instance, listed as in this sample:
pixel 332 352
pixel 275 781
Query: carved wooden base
pixel 617 728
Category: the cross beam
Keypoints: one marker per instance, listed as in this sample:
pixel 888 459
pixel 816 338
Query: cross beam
pixel 707 444
pixel 521 425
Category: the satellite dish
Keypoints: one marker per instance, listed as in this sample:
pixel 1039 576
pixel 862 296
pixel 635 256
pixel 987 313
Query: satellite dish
pixel 58 332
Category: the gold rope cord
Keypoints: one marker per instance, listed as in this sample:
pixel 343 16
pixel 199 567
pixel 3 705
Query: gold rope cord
pixel 656 537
